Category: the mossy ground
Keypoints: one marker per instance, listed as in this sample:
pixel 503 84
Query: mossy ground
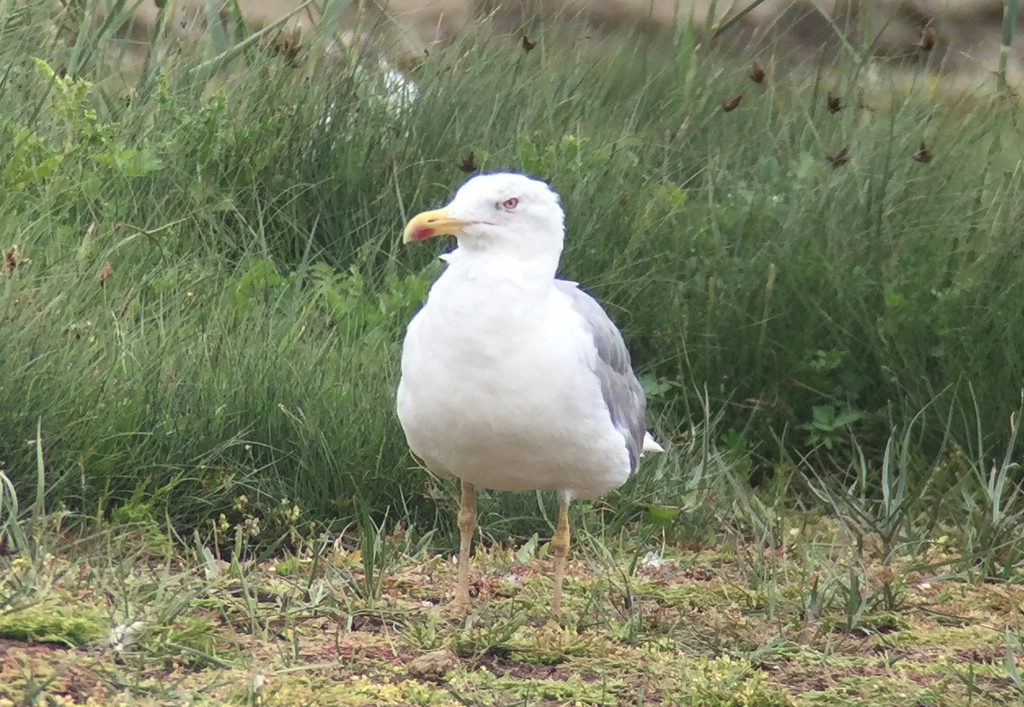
pixel 730 625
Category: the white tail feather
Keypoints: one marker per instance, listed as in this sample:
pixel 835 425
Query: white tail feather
pixel 650 445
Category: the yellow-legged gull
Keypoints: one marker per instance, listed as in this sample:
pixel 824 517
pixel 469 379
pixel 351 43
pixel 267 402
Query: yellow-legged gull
pixel 512 379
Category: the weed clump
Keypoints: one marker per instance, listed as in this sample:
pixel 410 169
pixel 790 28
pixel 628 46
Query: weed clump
pixel 52 622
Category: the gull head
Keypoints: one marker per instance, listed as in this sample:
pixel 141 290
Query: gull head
pixel 502 214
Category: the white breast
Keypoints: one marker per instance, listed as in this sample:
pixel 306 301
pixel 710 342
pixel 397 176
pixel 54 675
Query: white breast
pixel 498 389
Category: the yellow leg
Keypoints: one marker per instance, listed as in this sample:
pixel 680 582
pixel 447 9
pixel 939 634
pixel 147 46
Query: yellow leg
pixel 560 548
pixel 467 524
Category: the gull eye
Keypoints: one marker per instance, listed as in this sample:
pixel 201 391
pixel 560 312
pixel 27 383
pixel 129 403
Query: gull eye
pixel 510 204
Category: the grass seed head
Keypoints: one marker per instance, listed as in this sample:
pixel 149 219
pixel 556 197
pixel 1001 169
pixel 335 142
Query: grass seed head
pixel 13 261
pixel 840 158
pixel 468 163
pixel 757 73
pixel 926 41
pixel 730 104
pixel 923 155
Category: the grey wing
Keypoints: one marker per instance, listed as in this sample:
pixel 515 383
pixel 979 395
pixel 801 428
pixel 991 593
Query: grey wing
pixel 622 392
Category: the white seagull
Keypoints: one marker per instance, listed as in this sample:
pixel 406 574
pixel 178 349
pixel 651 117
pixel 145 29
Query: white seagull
pixel 512 379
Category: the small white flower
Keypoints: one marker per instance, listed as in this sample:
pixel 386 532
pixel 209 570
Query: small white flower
pixel 124 635
pixel 652 560
pixel 512 578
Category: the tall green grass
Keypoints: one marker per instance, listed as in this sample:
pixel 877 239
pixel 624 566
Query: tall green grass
pixel 245 339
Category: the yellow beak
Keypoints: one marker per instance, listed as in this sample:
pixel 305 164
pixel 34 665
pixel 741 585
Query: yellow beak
pixel 430 224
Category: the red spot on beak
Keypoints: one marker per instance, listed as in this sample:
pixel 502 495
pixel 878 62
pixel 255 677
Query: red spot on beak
pixel 420 233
